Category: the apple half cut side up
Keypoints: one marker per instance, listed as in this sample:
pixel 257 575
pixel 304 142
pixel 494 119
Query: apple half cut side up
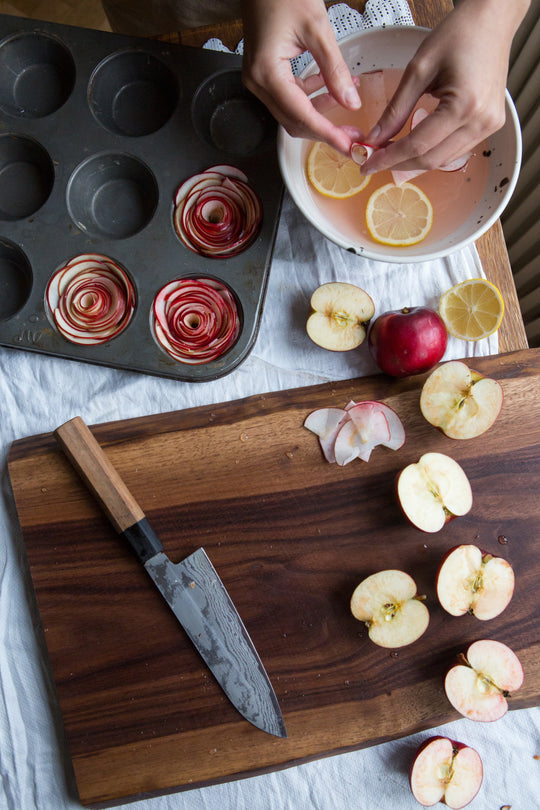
pixel 476 582
pixel 446 771
pixel 479 687
pixel 387 602
pixel 340 315
pixel 460 401
pixel 433 491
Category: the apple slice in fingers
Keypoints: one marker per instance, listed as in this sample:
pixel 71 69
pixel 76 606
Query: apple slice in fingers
pixel 479 687
pixel 340 315
pixel 446 771
pixel 460 401
pixel 433 491
pixel 389 605
pixel 471 581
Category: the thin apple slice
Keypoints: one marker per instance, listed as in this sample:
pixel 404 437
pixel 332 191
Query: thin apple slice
pixel 325 423
pixel 389 605
pixel 460 401
pixel 446 771
pixel 479 687
pixel 340 315
pixel 365 428
pixel 472 581
pixel 433 491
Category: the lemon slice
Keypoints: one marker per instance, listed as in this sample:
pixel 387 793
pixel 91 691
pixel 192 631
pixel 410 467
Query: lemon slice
pixel 334 174
pixel 473 309
pixel 399 215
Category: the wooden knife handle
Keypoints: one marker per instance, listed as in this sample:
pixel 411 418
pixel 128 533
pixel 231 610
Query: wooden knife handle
pixel 86 455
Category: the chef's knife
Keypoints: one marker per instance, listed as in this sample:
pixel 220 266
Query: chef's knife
pixel 192 588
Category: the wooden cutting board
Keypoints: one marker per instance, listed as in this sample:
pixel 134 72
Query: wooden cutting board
pixel 291 536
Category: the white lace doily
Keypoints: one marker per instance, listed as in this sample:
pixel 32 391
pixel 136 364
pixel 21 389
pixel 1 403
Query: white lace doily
pixel 344 20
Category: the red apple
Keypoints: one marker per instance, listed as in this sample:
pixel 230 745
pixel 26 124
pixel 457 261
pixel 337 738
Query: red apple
pixel 473 581
pixel 479 686
pixel 446 771
pixel 407 341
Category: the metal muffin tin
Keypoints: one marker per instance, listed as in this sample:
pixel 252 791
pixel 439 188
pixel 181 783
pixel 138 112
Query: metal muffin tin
pixel 97 131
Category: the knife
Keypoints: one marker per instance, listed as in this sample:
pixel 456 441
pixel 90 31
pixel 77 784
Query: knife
pixel 191 588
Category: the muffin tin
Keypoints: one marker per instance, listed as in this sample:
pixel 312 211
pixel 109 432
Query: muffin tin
pixel 97 131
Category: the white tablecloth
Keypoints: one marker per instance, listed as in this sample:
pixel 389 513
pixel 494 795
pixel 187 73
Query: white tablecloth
pixel 37 393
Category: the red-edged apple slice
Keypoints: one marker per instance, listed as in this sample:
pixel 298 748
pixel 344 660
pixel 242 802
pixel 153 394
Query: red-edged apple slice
pixel 433 491
pixel 361 152
pixel 472 581
pixel 397 431
pixel 446 771
pixel 325 423
pixel 365 428
pixel 389 605
pixel 460 401
pixel 340 315
pixel 479 687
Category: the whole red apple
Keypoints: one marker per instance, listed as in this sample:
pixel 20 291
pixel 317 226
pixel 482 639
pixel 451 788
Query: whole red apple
pixel 407 341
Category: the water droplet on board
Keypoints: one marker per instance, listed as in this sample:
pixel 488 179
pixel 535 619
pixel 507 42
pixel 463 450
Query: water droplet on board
pixel 244 437
pixel 503 540
pixel 289 454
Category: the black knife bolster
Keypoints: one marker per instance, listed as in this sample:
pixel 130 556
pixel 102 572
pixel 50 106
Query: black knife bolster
pixel 143 540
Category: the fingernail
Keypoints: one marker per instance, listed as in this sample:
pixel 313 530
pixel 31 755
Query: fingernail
pixel 374 134
pixel 352 98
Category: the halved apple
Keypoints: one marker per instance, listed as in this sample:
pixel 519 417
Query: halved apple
pixel 389 605
pixel 472 581
pixel 479 687
pixel 460 401
pixel 340 315
pixel 446 771
pixel 433 491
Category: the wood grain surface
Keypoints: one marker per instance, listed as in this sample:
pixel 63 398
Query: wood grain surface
pixel 291 536
pixel 491 246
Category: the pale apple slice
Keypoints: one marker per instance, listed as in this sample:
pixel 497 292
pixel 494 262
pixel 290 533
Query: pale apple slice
pixel 479 687
pixel 434 491
pixel 365 428
pixel 460 401
pixel 340 316
pixel 446 771
pixel 389 605
pixel 325 423
pixel 472 581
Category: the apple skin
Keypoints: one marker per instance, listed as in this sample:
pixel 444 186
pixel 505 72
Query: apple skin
pixel 407 341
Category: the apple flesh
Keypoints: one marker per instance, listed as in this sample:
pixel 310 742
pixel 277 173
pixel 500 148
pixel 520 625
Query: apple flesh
pixel 340 315
pixel 433 491
pixel 472 581
pixel 389 605
pixel 460 401
pixel 446 771
pixel 478 688
pixel 407 341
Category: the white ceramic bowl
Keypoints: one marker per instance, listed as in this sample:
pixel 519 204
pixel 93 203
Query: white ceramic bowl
pixel 393 47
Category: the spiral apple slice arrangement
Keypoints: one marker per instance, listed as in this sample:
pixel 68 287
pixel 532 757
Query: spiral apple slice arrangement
pixel 91 299
pixel 217 213
pixel 195 319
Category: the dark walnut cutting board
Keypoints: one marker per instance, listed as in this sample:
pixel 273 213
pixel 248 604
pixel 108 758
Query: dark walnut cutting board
pixel 291 536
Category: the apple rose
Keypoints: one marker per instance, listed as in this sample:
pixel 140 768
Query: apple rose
pixel 217 213
pixel 91 299
pixel 195 319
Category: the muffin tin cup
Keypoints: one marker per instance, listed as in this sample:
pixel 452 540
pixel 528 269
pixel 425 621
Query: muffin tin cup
pixel 98 171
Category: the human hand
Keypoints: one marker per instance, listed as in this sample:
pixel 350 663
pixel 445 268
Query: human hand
pixel 464 64
pixel 276 31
